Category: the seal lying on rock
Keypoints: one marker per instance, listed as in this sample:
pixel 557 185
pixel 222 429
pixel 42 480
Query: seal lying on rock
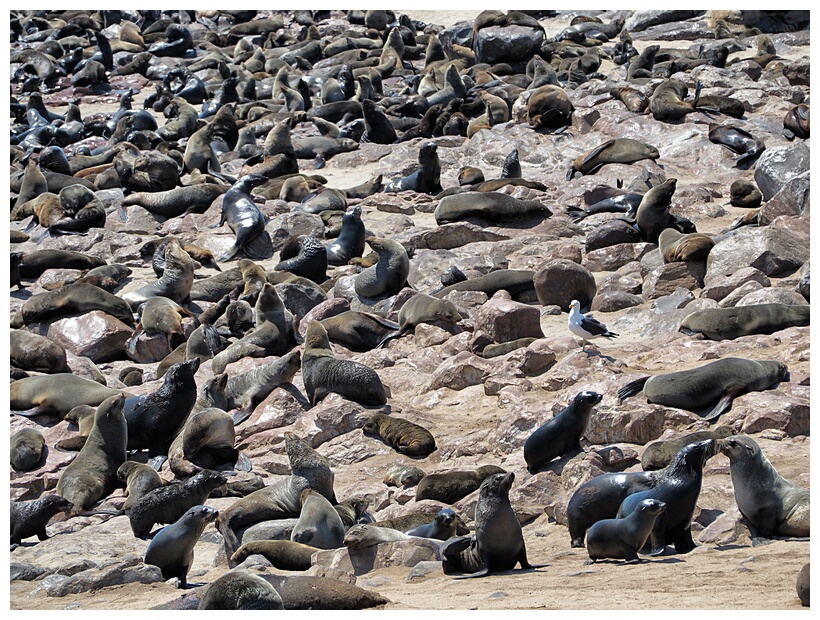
pixel 730 323
pixel 406 437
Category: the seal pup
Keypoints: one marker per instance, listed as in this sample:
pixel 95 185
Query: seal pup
pixel 584 325
pixel 562 434
pixel 26 448
pixel 322 373
pixel 659 454
pixel 404 436
pixel 240 590
pixel 621 538
pixel 399 475
pixel 451 486
pixel 283 554
pixel 389 275
pixel 92 474
pixel 243 217
pixel 796 122
pixel 676 246
pixel 443 527
pixel 498 542
pixel 368 534
pixel 678 487
pixel 709 389
pixel 319 524
pixel 139 479
pixel 350 242
pixel 773 505
pixel 172 548
pixel 30 518
pixel 744 194
pixel 423 308
pixel 550 107
pixel 620 151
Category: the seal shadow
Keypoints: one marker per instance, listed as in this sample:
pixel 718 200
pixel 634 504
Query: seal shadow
pixel 558 465
pixel 21 293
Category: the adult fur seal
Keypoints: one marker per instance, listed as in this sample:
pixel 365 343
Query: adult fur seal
pixel 26 448
pixel 423 308
pixel 550 107
pixel 30 518
pixel 56 394
pixel 73 299
pixel 206 442
pixel 738 141
pixel 678 487
pixel 240 590
pixel 322 373
pixel 796 122
pixel 653 215
pixel 659 454
pixel 498 543
pixel 562 433
pixel 177 201
pixel 406 437
pixel 358 331
pixel 389 275
pixel 92 474
pixel 709 388
pixel 493 206
pixel 516 282
pixel 169 503
pixel 319 524
pixel 426 179
pixel 279 500
pixel 368 535
pixel 248 389
pixel 744 194
pixel 621 538
pixel 175 283
pixel 350 242
pixel 172 549
pixel 443 527
pixel 304 256
pixel 774 506
pixel 676 246
pixel 283 554
pixel 451 486
pixel 399 475
pixel 245 219
pixel 730 323
pixel 618 151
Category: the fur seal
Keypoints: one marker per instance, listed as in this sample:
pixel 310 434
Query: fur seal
pixel 206 441
pixel 319 524
pixel 350 242
pixel 322 373
pixel 731 323
pixel 304 256
pixel 676 246
pixel 744 194
pixel 405 437
pixel 358 331
pixel 56 394
pixel 279 500
pixel 169 503
pixel 175 283
pixel 245 219
pixel 667 101
pixel 709 388
pixel 172 549
pixel 516 282
pixel 492 206
pixel 240 590
pixel 550 107
pixel 774 506
pixel 403 475
pixel 621 538
pixel 803 585
pixel 618 151
pixel 652 216
pixel 73 299
pixel 26 448
pixel 92 474
pixel 562 433
pixel 423 308
pixel 139 479
pixel 498 542
pixel 451 486
pixel 283 554
pixel 659 454
pixel 634 100
pixel 159 315
pixel 31 351
pixel 249 389
pixel 389 275
pixel 796 122
pixel 678 487
pixel 178 201
pixel 34 264
pixel 30 518
pixel 738 141
pixel 378 127
pixel 426 179
pixel 368 535
pixel 442 527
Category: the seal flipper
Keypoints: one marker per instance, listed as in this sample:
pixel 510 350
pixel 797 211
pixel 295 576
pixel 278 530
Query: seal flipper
pixel 156 461
pixel 723 404
pixel 240 415
pixel 684 543
pixel 631 388
pixel 657 540
pixel 766 521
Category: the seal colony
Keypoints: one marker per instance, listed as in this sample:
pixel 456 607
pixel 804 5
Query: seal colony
pixel 296 252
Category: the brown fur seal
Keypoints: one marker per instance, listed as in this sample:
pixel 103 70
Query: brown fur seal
pixel 279 500
pixel 358 331
pixel 83 417
pixel 516 282
pixel 33 264
pixel 634 100
pixel 169 503
pixel 26 448
pixel 738 141
pixel 304 256
pixel 240 590
pixel 667 101
pixel 175 283
pixel 550 107
pixel 774 506
pixel 426 179
pixel 172 549
pixel 423 308
pixel 31 351
pixel 283 554
pixel 206 441
pixel 245 219
pixel 389 275
pixel 498 543
pixel 319 524
pixel 178 201
pixel 92 475
pixel 710 388
pixel 730 323
pixel 744 194
pixel 56 394
pixel 406 437
pixel 322 373
pixel 30 518
pixel 641 67
pixel 618 151
pixel 659 454
pixel 73 299
pixel 622 538
pixel 248 389
pixel 367 535
pixel 451 486
pixel 796 122
pixel 139 479
pixel 350 242
pixel 676 246
pixel 160 315
pixel 443 527
pixel 653 215
pixel 403 475
pixel 493 206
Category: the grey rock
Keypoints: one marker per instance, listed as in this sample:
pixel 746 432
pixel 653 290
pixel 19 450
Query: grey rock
pixel 778 165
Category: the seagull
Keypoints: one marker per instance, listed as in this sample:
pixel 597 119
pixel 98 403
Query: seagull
pixel 585 326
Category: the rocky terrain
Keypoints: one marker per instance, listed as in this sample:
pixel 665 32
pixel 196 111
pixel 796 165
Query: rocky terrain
pixel 481 410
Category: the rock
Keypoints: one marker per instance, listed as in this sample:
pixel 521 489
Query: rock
pixel 641 20
pixel 459 372
pixel 283 227
pixel 96 335
pixel 448 236
pixel 770 250
pixel 772 295
pixel 423 570
pixel 803 284
pixel 778 165
pixel 798 72
pixel 614 300
pixel 680 298
pixel 149 348
pixel 560 281
pixel 323 310
pixel 644 422
pixel 505 320
pixel 666 279
pixel 719 287
pixel 792 199
pixel 94 579
pixel 300 299
pixel 509 43
pixel 25 572
pixel 616 256
pixel 361 561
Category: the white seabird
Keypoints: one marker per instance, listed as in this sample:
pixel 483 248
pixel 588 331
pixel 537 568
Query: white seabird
pixel 585 326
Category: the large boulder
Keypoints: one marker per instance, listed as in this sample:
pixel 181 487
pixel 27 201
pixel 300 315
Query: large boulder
pixel 507 43
pixel 778 165
pixel 770 250
pixel 558 282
